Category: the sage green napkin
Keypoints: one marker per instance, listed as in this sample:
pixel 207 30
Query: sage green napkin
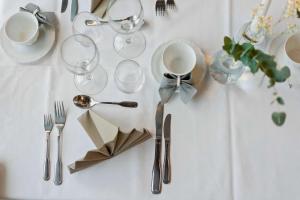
pixel 107 138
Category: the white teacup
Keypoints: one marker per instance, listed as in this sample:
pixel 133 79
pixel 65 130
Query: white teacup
pixel 179 58
pixel 22 28
pixel 292 49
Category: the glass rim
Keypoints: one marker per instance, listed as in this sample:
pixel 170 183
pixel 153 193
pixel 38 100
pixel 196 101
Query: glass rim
pixel 95 56
pixel 111 2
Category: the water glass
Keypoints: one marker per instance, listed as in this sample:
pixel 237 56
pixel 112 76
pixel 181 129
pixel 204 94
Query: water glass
pixel 129 76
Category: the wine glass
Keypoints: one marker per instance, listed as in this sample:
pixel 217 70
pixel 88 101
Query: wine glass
pixel 81 57
pixel 126 18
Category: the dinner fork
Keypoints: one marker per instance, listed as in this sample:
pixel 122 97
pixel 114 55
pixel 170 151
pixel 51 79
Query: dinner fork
pixel 160 7
pixel 48 126
pixel 171 4
pixel 60 120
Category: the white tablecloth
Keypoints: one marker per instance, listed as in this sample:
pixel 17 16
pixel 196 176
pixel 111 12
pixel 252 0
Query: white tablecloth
pixel 224 144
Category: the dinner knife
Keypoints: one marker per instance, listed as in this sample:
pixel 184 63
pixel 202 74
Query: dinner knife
pixel 156 171
pixel 167 161
pixel 74 9
pixel 64 5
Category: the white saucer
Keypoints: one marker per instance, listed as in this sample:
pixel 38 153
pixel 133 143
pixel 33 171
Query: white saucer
pixel 276 47
pixel 32 53
pixel 156 63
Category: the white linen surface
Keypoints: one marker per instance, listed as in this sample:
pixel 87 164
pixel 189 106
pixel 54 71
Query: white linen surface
pixel 224 145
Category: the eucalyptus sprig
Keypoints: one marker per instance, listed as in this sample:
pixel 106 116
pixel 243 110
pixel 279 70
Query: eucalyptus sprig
pixel 258 60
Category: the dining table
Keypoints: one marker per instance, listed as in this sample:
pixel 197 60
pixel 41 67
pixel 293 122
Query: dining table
pixel 224 145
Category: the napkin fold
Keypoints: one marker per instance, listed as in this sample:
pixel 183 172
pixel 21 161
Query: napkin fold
pixel 43 17
pixel 170 84
pixel 101 9
pixel 107 138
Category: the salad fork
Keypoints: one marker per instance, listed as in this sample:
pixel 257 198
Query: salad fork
pixel 48 126
pixel 60 120
pixel 171 4
pixel 160 7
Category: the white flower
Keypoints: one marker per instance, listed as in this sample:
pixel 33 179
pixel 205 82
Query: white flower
pixel 265 23
pixel 291 8
pixel 297 5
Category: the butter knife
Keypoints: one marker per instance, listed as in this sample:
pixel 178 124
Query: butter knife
pixel 64 5
pixel 156 171
pixel 167 161
pixel 74 9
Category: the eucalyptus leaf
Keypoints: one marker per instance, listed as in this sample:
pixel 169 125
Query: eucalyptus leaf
pixel 282 75
pixel 279 118
pixel 227 44
pixel 280 100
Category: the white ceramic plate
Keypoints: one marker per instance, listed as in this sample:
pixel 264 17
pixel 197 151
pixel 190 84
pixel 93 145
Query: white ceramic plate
pixel 198 73
pixel 32 53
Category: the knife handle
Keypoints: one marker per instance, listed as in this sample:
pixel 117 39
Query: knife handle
pixel 156 171
pixel 167 164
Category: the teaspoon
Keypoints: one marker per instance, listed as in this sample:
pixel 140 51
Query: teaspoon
pixel 85 102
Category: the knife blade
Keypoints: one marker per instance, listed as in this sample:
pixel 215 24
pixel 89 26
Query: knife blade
pixel 167 161
pixel 74 9
pixel 156 171
pixel 64 5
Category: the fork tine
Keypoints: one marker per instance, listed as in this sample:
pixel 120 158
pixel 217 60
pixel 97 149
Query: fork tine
pixel 59 108
pixel 49 120
pixel 44 120
pixel 55 111
pixel 63 108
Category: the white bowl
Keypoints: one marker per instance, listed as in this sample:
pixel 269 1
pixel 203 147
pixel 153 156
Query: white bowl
pixel 22 28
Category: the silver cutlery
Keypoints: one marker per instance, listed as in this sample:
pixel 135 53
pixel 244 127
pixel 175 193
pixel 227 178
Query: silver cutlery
pixel 60 120
pixel 156 171
pixel 74 9
pixel 171 4
pixel 48 126
pixel 160 7
pixel 86 102
pixel 64 5
pixel 167 161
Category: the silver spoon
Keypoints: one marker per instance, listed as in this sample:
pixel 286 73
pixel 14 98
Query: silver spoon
pixel 85 102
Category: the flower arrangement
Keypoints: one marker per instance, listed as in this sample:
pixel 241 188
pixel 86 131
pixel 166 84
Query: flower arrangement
pixel 257 60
